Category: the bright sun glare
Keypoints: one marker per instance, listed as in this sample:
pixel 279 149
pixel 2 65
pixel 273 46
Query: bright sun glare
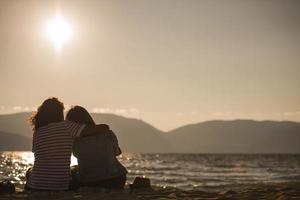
pixel 59 31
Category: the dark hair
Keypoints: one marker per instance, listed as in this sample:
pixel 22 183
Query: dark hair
pixel 51 110
pixel 80 115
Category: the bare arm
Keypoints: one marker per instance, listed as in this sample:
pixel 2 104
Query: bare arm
pixel 94 129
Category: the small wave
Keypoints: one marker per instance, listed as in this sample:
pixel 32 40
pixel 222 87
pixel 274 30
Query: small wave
pixel 184 170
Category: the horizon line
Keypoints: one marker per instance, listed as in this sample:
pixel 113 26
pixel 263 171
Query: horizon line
pixel 189 124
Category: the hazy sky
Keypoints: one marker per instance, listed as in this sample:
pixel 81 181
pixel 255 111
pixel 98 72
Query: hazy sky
pixel 168 62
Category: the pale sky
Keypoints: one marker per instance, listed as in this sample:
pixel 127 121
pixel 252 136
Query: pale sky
pixel 167 62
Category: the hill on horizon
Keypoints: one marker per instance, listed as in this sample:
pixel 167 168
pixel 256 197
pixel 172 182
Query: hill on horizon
pixel 238 136
pixel 14 142
pixel 217 136
pixel 134 135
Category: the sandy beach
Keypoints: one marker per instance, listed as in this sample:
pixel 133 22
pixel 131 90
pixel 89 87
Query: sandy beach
pixel 261 191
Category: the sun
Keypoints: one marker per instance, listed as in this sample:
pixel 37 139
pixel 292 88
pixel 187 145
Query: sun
pixel 59 31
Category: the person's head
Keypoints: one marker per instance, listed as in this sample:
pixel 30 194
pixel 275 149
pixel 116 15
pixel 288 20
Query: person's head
pixel 51 110
pixel 80 115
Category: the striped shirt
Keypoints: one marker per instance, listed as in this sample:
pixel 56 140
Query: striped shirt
pixel 52 147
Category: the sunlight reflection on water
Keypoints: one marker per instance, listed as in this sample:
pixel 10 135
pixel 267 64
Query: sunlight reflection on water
pixel 182 170
pixel 27 157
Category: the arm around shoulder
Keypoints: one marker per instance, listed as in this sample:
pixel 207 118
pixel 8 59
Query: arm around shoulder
pixel 94 129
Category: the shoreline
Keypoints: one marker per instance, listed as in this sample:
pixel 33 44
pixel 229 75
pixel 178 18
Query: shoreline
pixel 289 190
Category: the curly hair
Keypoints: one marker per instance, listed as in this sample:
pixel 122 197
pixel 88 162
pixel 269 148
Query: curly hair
pixel 51 110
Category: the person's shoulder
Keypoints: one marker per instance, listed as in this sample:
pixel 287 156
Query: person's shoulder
pixel 97 137
pixel 51 126
pixel 63 123
pixel 104 127
pixel 69 123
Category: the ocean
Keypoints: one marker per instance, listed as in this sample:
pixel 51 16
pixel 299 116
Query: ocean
pixel 184 171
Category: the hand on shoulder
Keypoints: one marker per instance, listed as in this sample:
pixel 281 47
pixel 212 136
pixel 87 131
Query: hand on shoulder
pixel 104 128
pixel 95 129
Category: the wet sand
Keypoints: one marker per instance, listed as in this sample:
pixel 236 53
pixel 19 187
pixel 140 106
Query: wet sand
pixel 279 191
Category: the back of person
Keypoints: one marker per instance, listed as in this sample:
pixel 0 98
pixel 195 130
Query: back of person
pixel 97 158
pixel 97 162
pixel 52 147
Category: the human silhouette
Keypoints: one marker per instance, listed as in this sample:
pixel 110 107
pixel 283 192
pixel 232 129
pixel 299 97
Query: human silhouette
pixel 96 154
pixel 52 146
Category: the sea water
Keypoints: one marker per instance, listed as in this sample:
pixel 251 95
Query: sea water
pixel 185 171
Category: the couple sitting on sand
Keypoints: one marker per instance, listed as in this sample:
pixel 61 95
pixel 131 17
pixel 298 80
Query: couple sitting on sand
pixel 54 139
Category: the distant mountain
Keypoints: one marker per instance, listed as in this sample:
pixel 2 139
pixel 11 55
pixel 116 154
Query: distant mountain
pixel 134 135
pixel 14 142
pixel 237 136
pixel 17 123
